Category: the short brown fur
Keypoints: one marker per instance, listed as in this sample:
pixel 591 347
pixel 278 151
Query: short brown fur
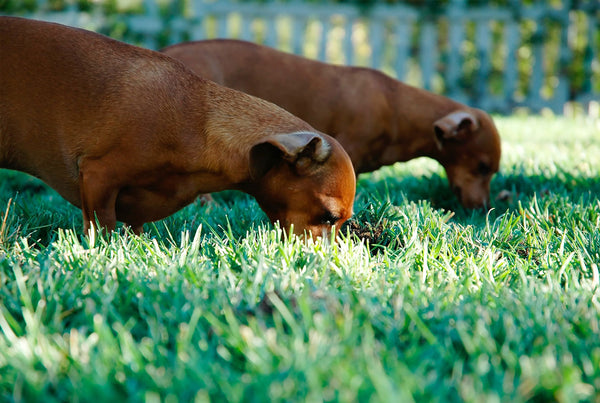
pixel 130 134
pixel 377 119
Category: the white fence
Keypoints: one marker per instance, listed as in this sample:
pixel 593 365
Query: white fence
pixel 496 58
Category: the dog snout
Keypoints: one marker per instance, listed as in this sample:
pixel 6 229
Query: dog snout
pixel 478 203
pixel 476 199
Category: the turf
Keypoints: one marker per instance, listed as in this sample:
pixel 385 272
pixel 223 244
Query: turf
pixel 419 299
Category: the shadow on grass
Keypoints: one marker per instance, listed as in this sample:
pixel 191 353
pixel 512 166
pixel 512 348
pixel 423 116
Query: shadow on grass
pixel 507 191
pixel 379 197
pixel 37 211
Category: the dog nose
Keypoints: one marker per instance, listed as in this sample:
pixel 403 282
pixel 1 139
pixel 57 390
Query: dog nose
pixel 482 204
pixel 478 200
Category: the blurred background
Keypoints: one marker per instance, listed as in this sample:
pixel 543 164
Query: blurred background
pixel 501 55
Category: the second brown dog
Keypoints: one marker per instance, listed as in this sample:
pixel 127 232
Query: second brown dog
pixel 378 120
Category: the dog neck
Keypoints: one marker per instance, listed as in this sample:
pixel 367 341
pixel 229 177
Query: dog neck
pixel 233 123
pixel 412 113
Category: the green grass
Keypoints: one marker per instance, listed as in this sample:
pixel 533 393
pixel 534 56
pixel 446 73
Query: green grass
pixel 420 300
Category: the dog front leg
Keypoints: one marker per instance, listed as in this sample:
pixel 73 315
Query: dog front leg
pixel 98 198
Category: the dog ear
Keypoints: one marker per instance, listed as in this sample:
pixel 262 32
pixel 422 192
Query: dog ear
pixel 303 150
pixel 457 126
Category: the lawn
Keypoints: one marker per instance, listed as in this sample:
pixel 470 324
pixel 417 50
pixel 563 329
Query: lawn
pixel 419 300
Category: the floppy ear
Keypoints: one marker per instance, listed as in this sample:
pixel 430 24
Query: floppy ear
pixel 303 150
pixel 457 125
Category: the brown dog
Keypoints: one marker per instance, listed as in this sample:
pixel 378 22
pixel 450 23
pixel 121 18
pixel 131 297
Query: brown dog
pixel 130 134
pixel 377 119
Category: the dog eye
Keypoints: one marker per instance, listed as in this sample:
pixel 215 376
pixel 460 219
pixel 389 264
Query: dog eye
pixel 484 169
pixel 329 218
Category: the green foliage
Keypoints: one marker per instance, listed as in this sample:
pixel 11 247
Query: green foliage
pixel 418 300
pixel 554 41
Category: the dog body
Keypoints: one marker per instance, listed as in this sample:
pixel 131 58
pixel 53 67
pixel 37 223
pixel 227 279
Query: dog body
pixel 378 120
pixel 132 135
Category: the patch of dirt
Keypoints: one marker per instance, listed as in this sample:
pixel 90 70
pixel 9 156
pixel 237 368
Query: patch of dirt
pixel 366 231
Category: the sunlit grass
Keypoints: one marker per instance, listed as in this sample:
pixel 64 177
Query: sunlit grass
pixel 418 300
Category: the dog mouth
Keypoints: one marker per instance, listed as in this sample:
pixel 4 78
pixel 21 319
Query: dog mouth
pixel 470 203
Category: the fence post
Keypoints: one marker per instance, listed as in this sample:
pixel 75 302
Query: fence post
pixel 271 37
pixel 428 52
pixel 402 34
pixel 455 38
pixel 561 92
pixel 198 30
pixel 376 40
pixel 298 31
pixel 482 45
pixel 348 47
pixel 591 55
pixel 325 29
pixel 511 36
pixel 148 25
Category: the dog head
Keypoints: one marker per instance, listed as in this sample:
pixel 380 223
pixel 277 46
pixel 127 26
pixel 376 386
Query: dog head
pixel 469 149
pixel 305 180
